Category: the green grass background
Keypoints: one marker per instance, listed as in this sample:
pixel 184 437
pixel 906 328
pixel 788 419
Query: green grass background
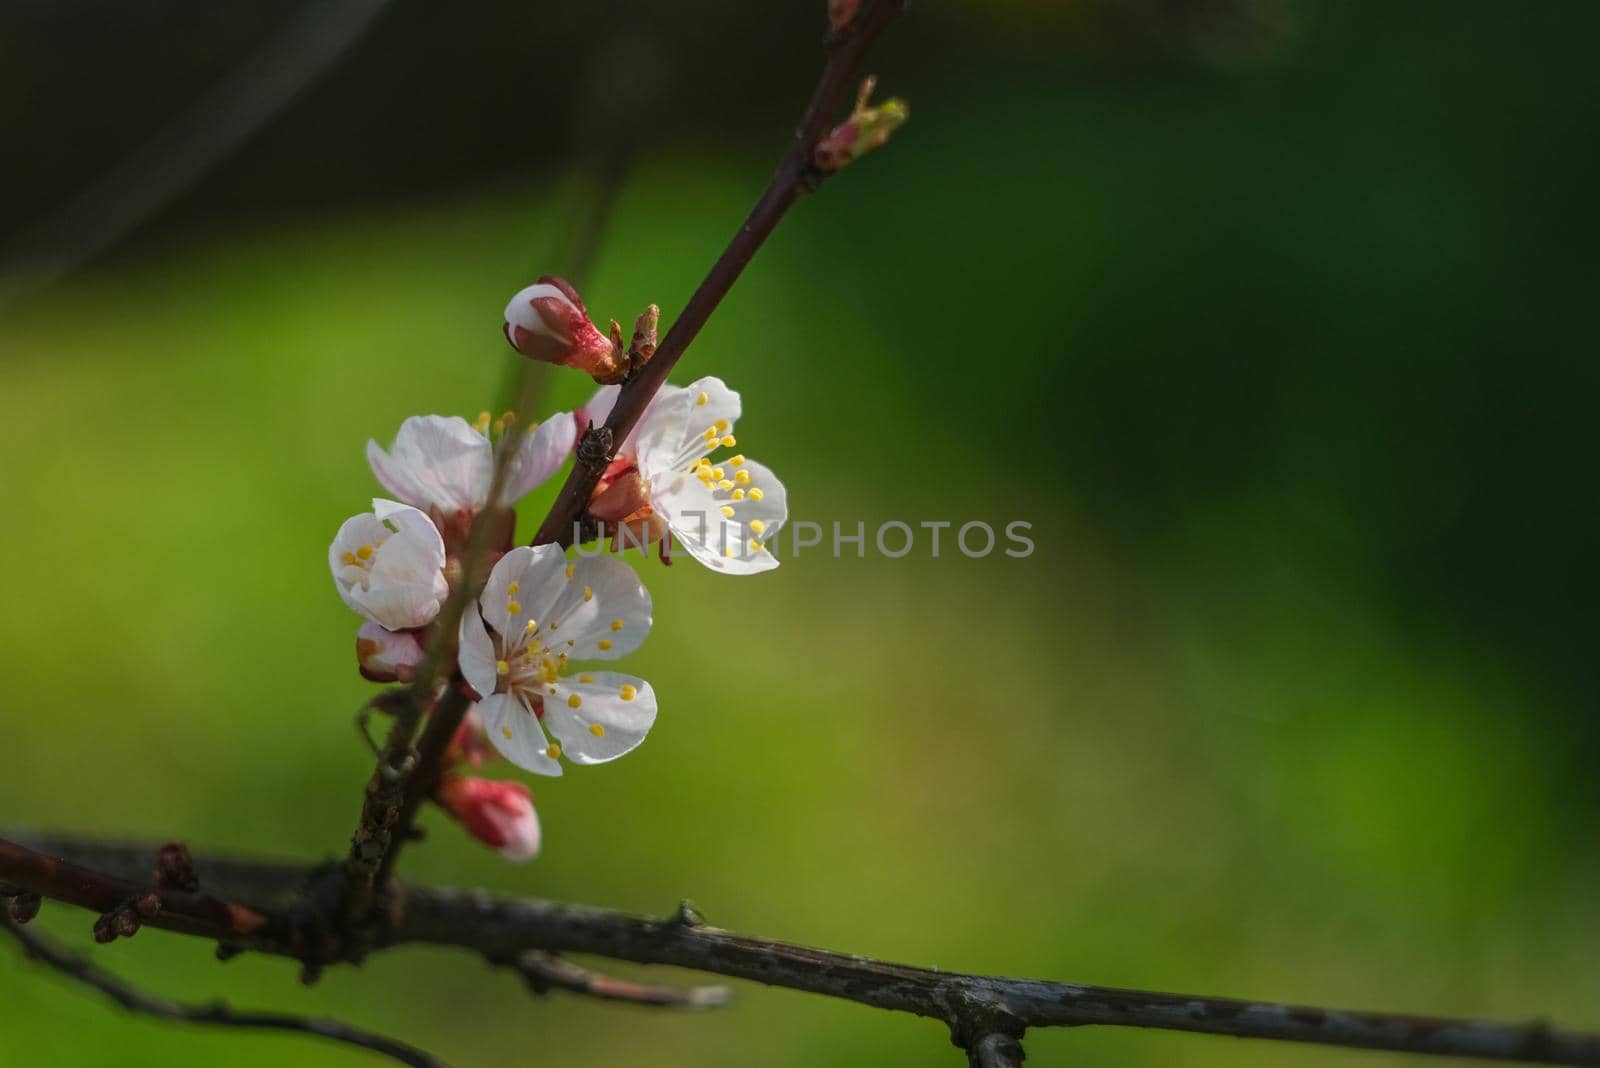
pixel 1290 702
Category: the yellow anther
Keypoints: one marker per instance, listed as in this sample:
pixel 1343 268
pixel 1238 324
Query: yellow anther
pixel 756 546
pixel 502 668
pixel 554 752
pixel 616 624
pixel 508 418
pixel 717 472
pixel 629 691
pixel 729 441
pixel 349 559
pixel 586 678
pixel 738 494
pixel 725 484
pixel 728 551
pixel 513 608
pixel 720 425
pixel 727 511
pixel 702 398
pixel 574 701
pixel 533 625
pixel 595 728
pixel 507 732
pixel 365 552
pixel 757 525
pixel 710 434
pixel 737 461
pixel 481 424
pixel 588 593
pixel 756 495
pixel 742 477
pixel 511 590
pixel 604 643
pixel 570 569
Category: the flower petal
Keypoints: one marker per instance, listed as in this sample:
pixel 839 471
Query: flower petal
pixel 673 431
pixel 476 655
pixel 527 580
pixel 539 455
pixel 603 611
pixel 602 718
pixel 699 517
pixel 515 731
pixel 436 461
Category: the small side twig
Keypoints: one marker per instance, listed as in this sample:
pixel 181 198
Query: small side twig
pixel 544 972
pixel 46 951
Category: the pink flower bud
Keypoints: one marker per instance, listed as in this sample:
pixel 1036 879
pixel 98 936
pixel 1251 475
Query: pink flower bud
pixel 547 321
pixel 470 745
pixel 496 812
pixel 386 655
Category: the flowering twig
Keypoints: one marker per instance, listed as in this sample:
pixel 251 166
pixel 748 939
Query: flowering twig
pixel 798 173
pixel 47 951
pixel 987 1015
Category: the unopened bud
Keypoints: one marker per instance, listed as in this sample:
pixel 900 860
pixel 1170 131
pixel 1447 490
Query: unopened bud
pixel 22 907
pixel 547 321
pixel 175 869
pixel 471 745
pixel 497 813
pixel 387 655
pixel 868 127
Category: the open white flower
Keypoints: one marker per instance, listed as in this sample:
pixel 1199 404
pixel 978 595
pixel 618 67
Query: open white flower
pixel 540 611
pixel 388 565
pixel 447 463
pixel 724 511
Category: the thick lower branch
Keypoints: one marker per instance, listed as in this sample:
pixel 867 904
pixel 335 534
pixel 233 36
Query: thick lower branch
pixel 973 1005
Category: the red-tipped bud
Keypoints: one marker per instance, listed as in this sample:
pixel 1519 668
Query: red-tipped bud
pixel 497 813
pixel 547 321
pixel 387 655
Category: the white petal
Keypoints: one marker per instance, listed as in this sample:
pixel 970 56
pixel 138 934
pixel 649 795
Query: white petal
pixel 538 575
pixel 515 731
pixel 673 431
pixel 539 455
pixel 441 459
pixel 476 655
pixel 396 607
pixel 399 583
pixel 724 543
pixel 598 410
pixel 603 611
pixel 604 724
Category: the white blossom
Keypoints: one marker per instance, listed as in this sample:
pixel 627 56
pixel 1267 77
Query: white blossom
pixel 388 564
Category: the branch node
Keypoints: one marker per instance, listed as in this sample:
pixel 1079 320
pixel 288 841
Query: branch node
pixel 594 448
pixel 687 915
pixel 175 869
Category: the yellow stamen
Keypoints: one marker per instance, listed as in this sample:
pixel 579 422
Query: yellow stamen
pixel 729 441
pixel 574 701
pixel 349 559
pixel 720 425
pixel 597 730
pixel 570 569
pixel 507 732
pixel 585 678
pixel 616 624
pixel 511 590
pixel 629 692
pixel 756 495
pixel 588 593
pixel 554 752
pixel 725 484
pixel 365 552
pixel 738 494
pixel 604 643
pixel 533 625
pixel 756 546
pixel 702 398
pixel 742 477
pixel 737 461
pixel 757 525
pixel 727 511
pixel 513 608
pixel 502 668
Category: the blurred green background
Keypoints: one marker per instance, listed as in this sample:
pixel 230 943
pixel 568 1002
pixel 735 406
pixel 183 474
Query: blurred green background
pixel 1274 319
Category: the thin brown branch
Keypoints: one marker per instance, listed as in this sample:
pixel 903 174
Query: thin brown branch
pixel 544 972
pixel 796 174
pixel 973 1006
pixel 217 1013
